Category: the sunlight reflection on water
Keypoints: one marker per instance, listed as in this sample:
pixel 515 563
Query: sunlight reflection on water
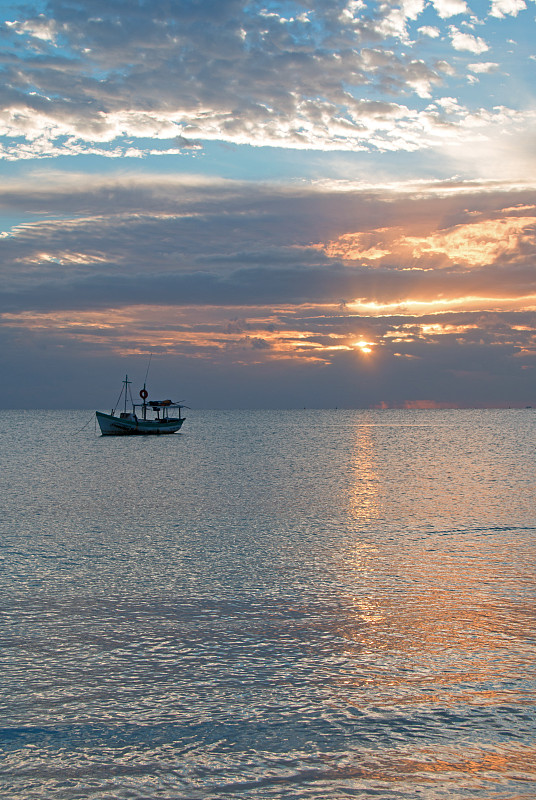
pixel 270 605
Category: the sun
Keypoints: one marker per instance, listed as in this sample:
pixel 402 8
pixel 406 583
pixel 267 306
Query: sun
pixel 363 347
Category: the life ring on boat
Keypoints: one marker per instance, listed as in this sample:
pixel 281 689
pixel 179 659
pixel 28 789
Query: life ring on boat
pixel 144 394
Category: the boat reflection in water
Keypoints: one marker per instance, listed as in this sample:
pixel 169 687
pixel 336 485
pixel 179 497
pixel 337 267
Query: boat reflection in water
pixel 130 422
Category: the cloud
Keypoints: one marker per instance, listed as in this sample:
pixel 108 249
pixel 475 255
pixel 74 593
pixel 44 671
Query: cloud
pixel 318 284
pixel 429 30
pixel 502 8
pixel 90 79
pixel 483 67
pixel 476 243
pixel 40 28
pixel 393 22
pixel 276 284
pixel 93 248
pixel 466 41
pixel 450 8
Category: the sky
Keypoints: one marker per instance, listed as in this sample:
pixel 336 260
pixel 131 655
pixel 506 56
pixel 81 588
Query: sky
pixel 279 204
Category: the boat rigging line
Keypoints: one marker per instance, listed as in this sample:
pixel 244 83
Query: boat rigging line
pixel 127 391
pixel 147 373
pixel 83 427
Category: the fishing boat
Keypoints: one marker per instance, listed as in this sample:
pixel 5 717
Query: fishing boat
pixel 141 419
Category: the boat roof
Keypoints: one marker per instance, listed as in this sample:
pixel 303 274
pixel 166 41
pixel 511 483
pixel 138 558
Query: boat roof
pixel 162 404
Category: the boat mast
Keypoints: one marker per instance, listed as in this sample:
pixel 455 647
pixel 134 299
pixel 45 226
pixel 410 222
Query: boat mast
pixel 125 384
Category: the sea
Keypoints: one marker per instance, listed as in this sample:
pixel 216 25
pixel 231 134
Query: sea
pixel 269 605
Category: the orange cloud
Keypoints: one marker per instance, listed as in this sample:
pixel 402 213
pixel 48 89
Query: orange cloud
pixel 413 307
pixel 479 243
pixel 471 244
pixel 322 335
pixel 141 329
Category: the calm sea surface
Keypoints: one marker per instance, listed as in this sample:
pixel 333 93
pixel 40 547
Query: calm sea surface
pixel 297 604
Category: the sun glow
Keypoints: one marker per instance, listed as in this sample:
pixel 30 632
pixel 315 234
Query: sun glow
pixel 363 347
pixel 411 307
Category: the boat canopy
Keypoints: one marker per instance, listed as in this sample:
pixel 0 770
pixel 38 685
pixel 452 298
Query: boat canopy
pixel 163 403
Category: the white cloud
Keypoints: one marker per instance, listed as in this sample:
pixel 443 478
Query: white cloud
pixel 445 68
pixel 393 24
pixel 429 30
pixel 450 8
pixel 483 67
pixel 412 8
pixel 351 10
pixel 465 41
pixel 419 79
pixel 393 20
pixel 363 125
pixel 450 104
pixel 500 8
pixel 261 78
pixel 38 28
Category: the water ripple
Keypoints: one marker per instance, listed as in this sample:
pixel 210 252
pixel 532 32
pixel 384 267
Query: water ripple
pixel 272 609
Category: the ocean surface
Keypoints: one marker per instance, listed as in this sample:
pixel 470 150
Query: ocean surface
pixel 271 604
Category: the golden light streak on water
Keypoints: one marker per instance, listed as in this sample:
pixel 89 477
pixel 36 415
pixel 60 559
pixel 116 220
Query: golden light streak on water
pixel 364 501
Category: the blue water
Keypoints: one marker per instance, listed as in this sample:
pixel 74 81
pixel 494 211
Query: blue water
pixel 299 604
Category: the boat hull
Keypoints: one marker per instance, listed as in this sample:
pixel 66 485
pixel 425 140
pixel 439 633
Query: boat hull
pixel 115 426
